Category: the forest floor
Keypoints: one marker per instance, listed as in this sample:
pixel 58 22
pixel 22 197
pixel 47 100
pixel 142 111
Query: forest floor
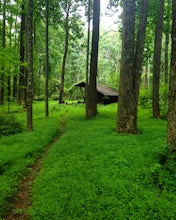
pixel 85 169
pixel 22 201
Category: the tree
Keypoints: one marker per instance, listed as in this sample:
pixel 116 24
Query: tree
pixel 72 16
pixel 3 46
pixel 141 34
pixel 166 62
pixel 131 66
pixel 30 65
pixel 9 71
pixel 92 90
pixel 126 120
pixel 68 6
pixel 87 55
pixel 171 128
pixel 57 13
pixel 157 60
pixel 21 87
pixel 167 31
pixel 15 76
pixel 47 59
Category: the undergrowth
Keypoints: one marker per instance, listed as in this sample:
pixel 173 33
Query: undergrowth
pixel 95 173
pixel 19 151
pixel 9 125
pixel 164 172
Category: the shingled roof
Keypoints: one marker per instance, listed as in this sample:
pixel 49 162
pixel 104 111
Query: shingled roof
pixel 105 94
pixel 106 90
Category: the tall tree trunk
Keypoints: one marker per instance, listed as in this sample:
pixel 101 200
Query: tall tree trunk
pixel 65 55
pixel 92 87
pixel 3 46
pixel 167 31
pixel 125 120
pixel 9 74
pixel 15 76
pixel 21 87
pixel 157 60
pixel 87 58
pixel 146 79
pixel 15 81
pixel 47 60
pixel 139 55
pixel 26 52
pixel 171 128
pixel 166 66
pixel 30 65
pixel 131 67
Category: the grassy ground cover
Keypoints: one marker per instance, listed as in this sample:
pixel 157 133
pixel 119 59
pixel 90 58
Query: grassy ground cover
pixel 18 152
pixel 95 173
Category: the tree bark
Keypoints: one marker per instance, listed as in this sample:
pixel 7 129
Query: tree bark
pixel 21 87
pixel 3 46
pixel 139 51
pixel 92 87
pixel 167 31
pixel 131 66
pixel 47 60
pixel 157 60
pixel 87 58
pixel 15 82
pixel 65 55
pixel 166 61
pixel 125 120
pixel 9 74
pixel 171 128
pixel 146 76
pixel 30 65
pixel 15 77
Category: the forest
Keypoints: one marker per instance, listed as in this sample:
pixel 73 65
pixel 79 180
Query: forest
pixel 87 109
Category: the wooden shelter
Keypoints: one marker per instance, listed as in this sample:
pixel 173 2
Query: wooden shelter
pixel 105 94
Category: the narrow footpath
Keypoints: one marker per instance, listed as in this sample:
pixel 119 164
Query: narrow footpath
pixel 22 199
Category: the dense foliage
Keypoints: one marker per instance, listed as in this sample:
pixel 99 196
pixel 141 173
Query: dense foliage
pixel 9 125
pixel 108 176
pixel 19 151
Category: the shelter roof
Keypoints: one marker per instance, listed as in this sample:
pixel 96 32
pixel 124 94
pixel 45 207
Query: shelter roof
pixel 106 90
pixel 103 89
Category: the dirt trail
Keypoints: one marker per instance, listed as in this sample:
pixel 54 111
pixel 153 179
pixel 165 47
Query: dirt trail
pixel 22 199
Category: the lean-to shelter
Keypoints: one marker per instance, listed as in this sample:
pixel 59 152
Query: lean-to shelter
pixel 105 94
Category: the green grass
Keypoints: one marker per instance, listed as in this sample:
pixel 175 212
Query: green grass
pixel 95 173
pixel 18 152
